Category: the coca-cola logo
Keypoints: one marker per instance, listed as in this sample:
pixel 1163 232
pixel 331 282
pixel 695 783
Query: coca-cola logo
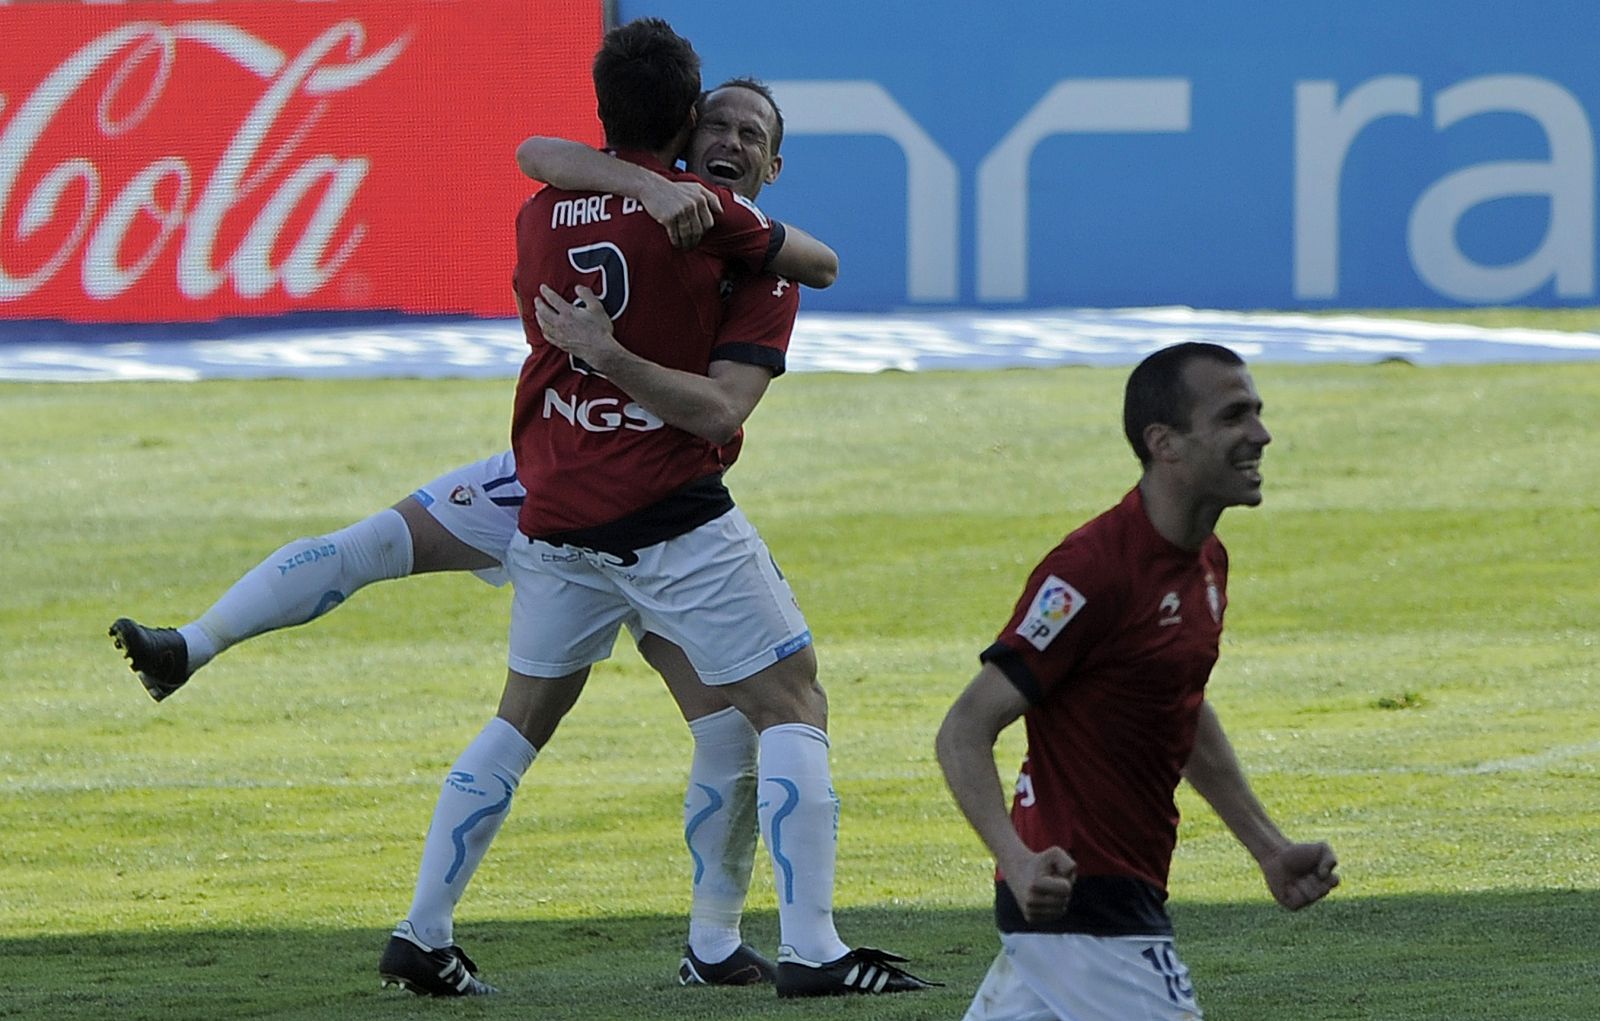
pixel 264 180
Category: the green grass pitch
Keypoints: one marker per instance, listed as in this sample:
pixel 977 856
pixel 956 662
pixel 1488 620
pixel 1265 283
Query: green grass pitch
pixel 1411 671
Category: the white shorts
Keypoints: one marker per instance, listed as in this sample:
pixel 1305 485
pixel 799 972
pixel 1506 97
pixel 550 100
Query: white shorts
pixel 1047 976
pixel 713 591
pixel 478 503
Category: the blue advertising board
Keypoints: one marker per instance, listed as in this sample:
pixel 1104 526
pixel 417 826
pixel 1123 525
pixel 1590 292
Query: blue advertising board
pixel 1326 153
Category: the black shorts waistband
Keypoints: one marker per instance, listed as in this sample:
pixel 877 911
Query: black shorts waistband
pixel 1099 906
pixel 683 510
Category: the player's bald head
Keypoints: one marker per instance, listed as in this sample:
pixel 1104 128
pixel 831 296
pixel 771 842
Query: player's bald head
pixel 1156 393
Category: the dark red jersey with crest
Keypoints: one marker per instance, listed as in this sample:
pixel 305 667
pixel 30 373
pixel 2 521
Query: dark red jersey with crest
pixel 1112 643
pixel 586 452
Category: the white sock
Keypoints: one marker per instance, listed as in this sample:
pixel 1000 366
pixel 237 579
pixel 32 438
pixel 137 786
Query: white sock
pixel 301 582
pixel 799 814
pixel 719 827
pixel 473 802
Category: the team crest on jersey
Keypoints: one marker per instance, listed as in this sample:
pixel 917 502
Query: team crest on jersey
pixel 1055 604
pixel 461 496
pixel 1213 597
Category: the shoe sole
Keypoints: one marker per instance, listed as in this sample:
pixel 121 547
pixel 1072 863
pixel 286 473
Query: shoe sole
pixel 690 976
pixel 751 972
pixel 385 981
pixel 157 690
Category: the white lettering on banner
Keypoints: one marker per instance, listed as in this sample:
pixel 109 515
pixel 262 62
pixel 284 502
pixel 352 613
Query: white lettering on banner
pixel 933 214
pixel 933 183
pixel 107 271
pixel 103 276
pixel 1566 255
pixel 1325 129
pixel 1074 106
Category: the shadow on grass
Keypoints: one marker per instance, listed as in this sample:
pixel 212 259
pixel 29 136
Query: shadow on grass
pixel 1528 956
pixel 1494 956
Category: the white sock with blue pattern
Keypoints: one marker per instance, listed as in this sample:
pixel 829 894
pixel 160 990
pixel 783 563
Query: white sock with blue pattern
pixel 719 827
pixel 300 582
pixel 799 814
pixel 473 802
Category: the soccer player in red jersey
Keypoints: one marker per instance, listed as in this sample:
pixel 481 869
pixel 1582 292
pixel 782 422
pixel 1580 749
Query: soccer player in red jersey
pixel 465 520
pixel 627 521
pixel 1105 659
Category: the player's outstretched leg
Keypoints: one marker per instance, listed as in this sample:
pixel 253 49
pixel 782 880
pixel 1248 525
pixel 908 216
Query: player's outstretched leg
pixel 298 583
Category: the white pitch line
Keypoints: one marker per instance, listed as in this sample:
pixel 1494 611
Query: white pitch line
pixel 1541 760
pixel 1517 764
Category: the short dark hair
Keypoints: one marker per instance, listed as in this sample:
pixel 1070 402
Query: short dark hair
pixel 646 80
pixel 760 88
pixel 1156 392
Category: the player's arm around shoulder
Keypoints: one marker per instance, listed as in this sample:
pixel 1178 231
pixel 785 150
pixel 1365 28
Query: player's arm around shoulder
pixel 686 208
pixel 788 251
pixel 803 258
pixel 1297 874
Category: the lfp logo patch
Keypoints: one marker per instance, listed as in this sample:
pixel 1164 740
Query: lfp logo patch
pixel 1054 605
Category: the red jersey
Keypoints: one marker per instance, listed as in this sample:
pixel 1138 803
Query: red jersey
pixel 757 323
pixel 1112 643
pixel 586 452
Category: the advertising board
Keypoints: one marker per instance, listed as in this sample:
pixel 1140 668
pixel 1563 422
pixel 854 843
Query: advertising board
pixel 172 162
pixel 1329 153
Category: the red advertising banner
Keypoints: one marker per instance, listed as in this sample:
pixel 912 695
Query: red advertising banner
pixel 169 162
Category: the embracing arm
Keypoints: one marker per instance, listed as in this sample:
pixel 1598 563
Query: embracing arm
pixel 685 208
pixel 805 259
pixel 712 407
pixel 1041 881
pixel 1297 874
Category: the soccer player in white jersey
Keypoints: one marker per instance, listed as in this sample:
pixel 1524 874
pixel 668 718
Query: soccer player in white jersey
pixel 465 519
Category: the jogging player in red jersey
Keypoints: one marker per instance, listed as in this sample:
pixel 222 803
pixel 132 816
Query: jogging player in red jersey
pixel 627 520
pixel 1105 659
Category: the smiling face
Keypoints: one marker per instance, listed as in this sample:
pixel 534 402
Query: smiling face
pixel 1219 455
pixel 733 139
